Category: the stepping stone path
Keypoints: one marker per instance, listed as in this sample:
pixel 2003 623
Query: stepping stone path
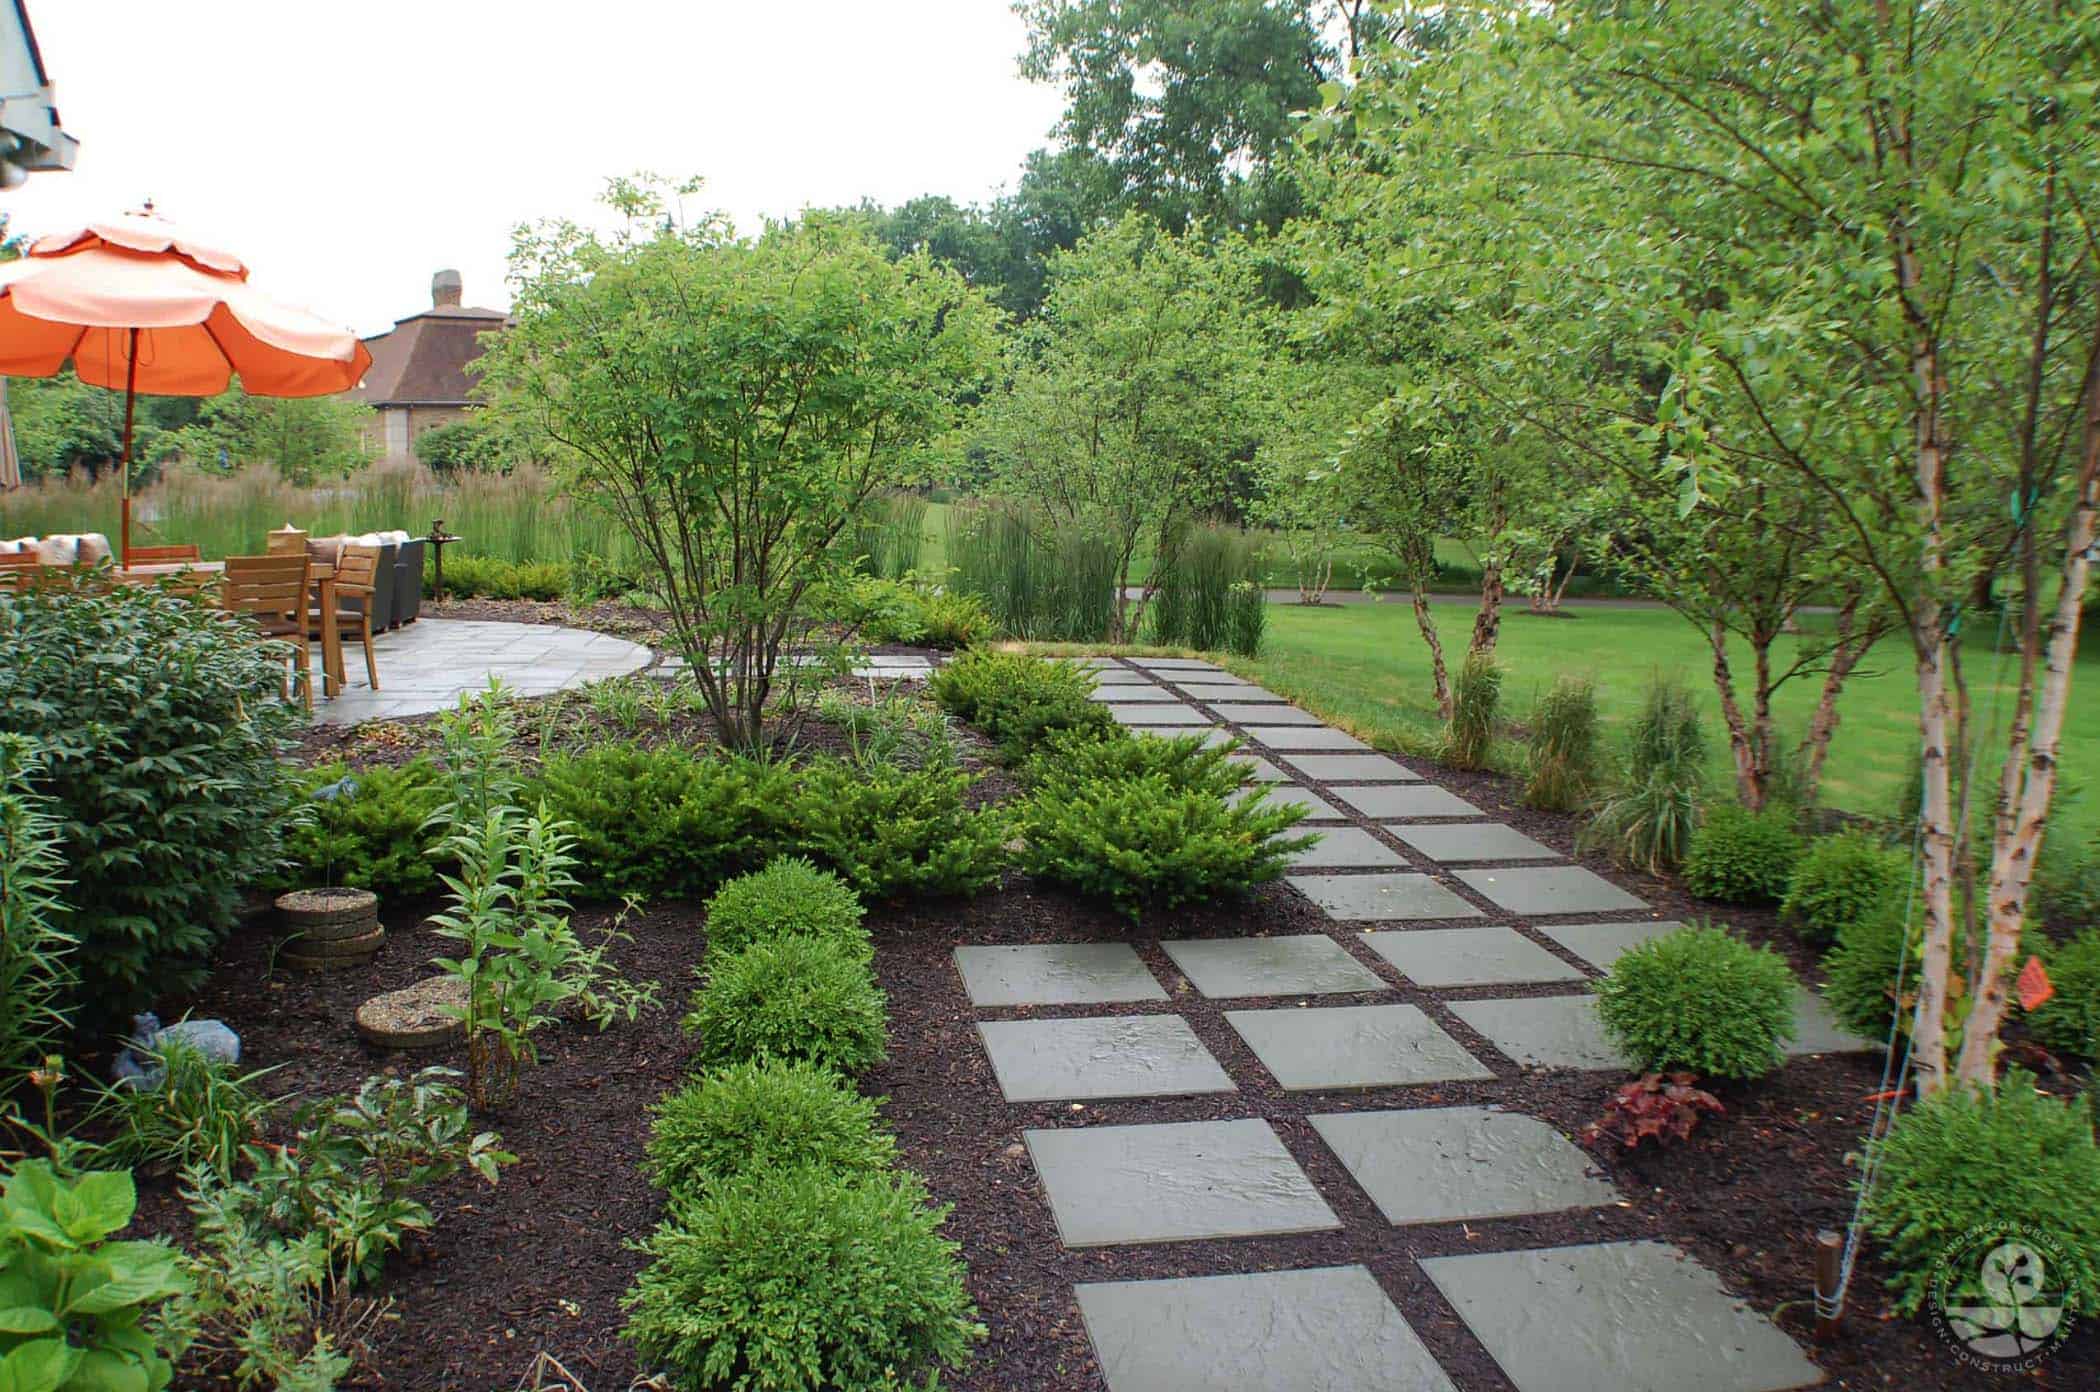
pixel 1422 891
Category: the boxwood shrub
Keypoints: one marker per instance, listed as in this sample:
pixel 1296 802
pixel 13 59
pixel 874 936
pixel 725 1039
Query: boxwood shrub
pixel 804 1281
pixel 1861 970
pixel 813 999
pixel 1701 1000
pixel 1843 879
pixel 763 1118
pixel 1742 857
pixel 1020 701
pixel 790 896
pixel 160 726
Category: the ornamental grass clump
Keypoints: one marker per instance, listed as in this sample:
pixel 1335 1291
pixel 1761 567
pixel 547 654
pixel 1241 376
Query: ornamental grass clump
pixel 790 897
pixel 812 999
pixel 763 1118
pixel 1700 1000
pixel 1646 817
pixel 1561 760
pixel 1470 733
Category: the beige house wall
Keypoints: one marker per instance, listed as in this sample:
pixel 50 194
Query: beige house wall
pixel 390 432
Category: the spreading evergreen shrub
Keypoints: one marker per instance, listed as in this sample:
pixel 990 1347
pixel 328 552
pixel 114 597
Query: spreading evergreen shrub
pixel 1561 762
pixel 662 821
pixel 1843 879
pixel 790 897
pixel 2070 1019
pixel 807 1281
pixel 1967 1163
pixel 892 831
pixel 763 1118
pixel 1861 970
pixel 159 724
pixel 813 999
pixel 492 577
pixel 368 829
pixel 1701 1000
pixel 1019 701
pixel 1741 857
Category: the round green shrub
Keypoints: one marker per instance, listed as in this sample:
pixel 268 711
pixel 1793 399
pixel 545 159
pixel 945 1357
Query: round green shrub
pixel 763 1118
pixel 1741 857
pixel 1702 1000
pixel 1861 971
pixel 804 1281
pixel 1842 879
pixel 1969 1162
pixel 2070 1019
pixel 792 998
pixel 790 897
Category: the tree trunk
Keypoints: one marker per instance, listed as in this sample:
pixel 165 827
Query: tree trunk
pixel 1487 621
pixel 1748 786
pixel 1438 672
pixel 1845 655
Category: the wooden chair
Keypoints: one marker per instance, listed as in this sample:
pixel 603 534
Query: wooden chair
pixel 285 541
pixel 356 579
pixel 272 590
pixel 165 555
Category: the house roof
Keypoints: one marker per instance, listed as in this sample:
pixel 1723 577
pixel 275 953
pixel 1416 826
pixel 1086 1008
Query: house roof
pixel 423 361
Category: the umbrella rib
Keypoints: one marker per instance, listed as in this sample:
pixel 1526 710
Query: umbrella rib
pixel 224 356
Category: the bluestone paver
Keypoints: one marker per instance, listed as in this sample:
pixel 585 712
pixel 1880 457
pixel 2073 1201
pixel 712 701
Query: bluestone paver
pixel 1317 808
pixel 1167 713
pixel 1226 691
pixel 1346 848
pixel 1816 1030
pixel 1120 676
pixel 1290 737
pixel 1309 964
pixel 427 665
pixel 1545 1031
pixel 1474 841
pixel 1407 800
pixel 1617 1317
pixel 1260 769
pixel 1131 692
pixel 1117 1056
pixel 1328 1329
pixel 1055 974
pixel 1445 1164
pixel 1373 898
pixel 1174 1182
pixel 1443 957
pixel 1213 737
pixel 1354 1046
pixel 1242 713
pixel 1353 768
pixel 1550 889
pixel 1179 664
pixel 1602 944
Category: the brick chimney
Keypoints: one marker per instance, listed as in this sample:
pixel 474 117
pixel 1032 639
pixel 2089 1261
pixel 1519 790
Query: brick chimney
pixel 445 289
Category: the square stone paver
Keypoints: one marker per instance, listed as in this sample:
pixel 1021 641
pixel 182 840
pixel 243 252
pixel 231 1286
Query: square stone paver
pixel 1474 841
pixel 1131 694
pixel 1354 768
pixel 1436 957
pixel 1354 1046
pixel 1174 1182
pixel 1055 974
pixel 1617 1317
pixel 1179 664
pixel 1120 1056
pixel 1242 714
pixel 1346 848
pixel 1213 737
pixel 1601 944
pixel 1317 808
pixel 1260 769
pixel 1407 800
pixel 1227 691
pixel 1304 965
pixel 1816 1030
pixel 1330 1329
pixel 1443 1164
pixel 1550 889
pixel 1290 737
pixel 1165 713
pixel 1121 676
pixel 1370 898
pixel 1545 1031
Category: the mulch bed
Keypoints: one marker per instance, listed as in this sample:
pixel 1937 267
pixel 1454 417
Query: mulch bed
pixel 538 1264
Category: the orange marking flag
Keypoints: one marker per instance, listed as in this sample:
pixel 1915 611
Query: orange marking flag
pixel 2035 986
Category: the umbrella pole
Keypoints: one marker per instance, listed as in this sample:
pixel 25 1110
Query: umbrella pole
pixel 131 382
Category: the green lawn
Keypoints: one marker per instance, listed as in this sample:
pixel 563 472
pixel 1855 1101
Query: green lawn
pixel 1365 666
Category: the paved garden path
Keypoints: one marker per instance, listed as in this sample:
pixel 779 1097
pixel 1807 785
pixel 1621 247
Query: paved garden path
pixel 1503 937
pixel 424 666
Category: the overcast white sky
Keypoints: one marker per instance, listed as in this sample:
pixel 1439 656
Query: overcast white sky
pixel 347 151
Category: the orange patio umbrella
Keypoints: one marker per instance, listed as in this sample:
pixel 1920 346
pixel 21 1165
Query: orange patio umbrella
pixel 136 304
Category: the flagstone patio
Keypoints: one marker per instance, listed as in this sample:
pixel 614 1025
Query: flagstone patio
pixel 427 665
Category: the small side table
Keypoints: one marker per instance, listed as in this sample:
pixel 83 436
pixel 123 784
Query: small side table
pixel 438 540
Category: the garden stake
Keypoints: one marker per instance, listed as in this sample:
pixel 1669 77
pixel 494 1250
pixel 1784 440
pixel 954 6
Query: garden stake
pixel 1830 1300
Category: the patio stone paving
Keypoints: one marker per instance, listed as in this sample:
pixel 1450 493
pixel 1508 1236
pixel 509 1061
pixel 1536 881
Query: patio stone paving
pixel 1213 737
pixel 1175 1182
pixel 1121 676
pixel 1407 800
pixel 1354 1046
pixel 1317 808
pixel 1308 965
pixel 1122 1056
pixel 1554 889
pixel 1370 898
pixel 1616 1317
pixel 1346 848
pixel 427 665
pixel 1290 737
pixel 1228 691
pixel 1474 841
pixel 1330 1329
pixel 1443 1164
pixel 1127 694
pixel 1816 1030
pixel 1055 974
pixel 1179 664
pixel 1601 944
pixel 1544 1031
pixel 1436 957
pixel 1170 713
pixel 1240 714
pixel 1353 768
pixel 1260 769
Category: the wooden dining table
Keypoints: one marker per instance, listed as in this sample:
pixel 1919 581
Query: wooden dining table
pixel 323 575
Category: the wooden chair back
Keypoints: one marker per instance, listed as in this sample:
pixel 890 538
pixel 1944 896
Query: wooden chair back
pixel 356 570
pixel 18 569
pixel 165 555
pixel 274 586
pixel 286 541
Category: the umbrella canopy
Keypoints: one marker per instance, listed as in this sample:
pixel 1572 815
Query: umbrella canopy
pixel 137 305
